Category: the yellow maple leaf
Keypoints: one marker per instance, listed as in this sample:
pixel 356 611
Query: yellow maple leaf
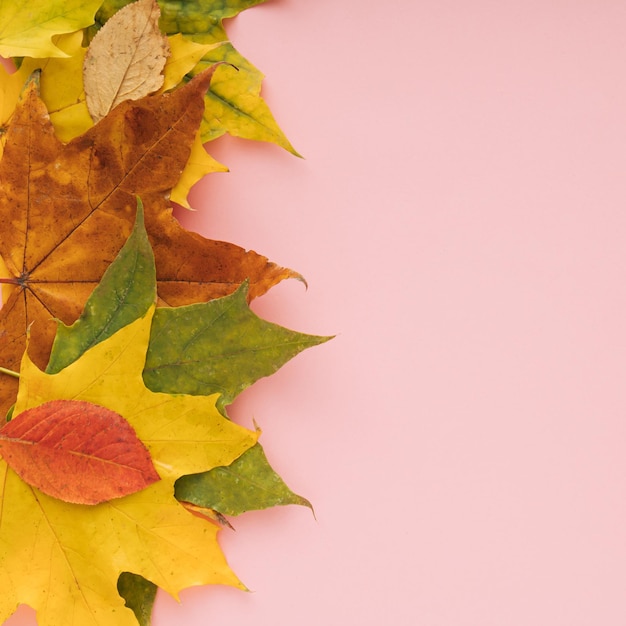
pixel 64 559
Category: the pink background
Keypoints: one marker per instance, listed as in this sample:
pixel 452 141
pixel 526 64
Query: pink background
pixel 460 220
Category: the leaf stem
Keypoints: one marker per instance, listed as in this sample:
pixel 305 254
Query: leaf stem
pixel 4 370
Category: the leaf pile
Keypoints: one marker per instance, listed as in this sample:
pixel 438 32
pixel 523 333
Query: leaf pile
pixel 117 450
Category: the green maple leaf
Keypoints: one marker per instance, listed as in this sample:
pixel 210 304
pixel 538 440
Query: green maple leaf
pixel 233 103
pixel 27 28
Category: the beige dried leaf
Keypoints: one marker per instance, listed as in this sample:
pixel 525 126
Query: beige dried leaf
pixel 125 59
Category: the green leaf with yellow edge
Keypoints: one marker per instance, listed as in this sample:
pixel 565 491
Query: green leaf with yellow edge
pixel 27 28
pixel 48 548
pixel 233 103
pixel 247 484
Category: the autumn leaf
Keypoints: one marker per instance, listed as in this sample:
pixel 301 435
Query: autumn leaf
pixel 77 452
pixel 247 484
pixel 139 595
pixel 199 164
pixel 77 204
pixel 27 28
pixel 233 103
pixel 147 533
pixel 125 59
pixel 219 345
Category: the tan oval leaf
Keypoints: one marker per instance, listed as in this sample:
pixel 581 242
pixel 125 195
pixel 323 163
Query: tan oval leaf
pixel 77 451
pixel 126 58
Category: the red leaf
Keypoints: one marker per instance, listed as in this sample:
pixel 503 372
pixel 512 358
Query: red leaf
pixel 77 452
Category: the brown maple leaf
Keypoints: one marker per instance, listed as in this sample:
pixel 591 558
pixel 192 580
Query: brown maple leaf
pixel 66 210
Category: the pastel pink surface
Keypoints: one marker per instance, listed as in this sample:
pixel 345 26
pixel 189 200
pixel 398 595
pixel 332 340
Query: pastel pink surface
pixel 460 220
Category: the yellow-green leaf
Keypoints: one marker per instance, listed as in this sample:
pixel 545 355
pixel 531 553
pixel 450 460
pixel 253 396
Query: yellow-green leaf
pixel 27 28
pixel 234 104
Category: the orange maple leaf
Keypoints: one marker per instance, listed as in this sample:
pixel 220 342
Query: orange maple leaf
pixel 66 210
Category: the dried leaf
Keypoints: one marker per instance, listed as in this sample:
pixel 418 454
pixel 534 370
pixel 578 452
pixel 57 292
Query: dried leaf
pixel 77 452
pixel 126 58
pixel 27 28
pixel 77 203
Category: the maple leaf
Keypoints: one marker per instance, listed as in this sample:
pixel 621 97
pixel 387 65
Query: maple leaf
pixel 233 103
pixel 64 559
pixel 125 59
pixel 66 210
pixel 26 29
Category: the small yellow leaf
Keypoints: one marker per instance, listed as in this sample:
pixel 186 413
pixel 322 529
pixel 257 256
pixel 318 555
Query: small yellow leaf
pixel 125 59
pixel 185 55
pixel 200 163
pixel 62 87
